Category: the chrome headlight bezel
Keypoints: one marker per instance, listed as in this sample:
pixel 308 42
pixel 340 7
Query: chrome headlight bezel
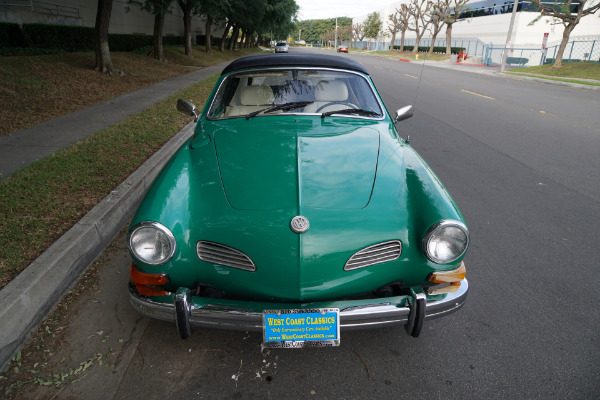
pixel 160 229
pixel 438 229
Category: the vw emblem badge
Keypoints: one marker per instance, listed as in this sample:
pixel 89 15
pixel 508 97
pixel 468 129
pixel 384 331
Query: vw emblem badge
pixel 299 224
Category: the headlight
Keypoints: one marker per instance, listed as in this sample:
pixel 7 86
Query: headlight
pixel 151 243
pixel 446 241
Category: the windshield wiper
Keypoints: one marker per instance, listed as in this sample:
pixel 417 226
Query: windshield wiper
pixel 359 111
pixel 282 107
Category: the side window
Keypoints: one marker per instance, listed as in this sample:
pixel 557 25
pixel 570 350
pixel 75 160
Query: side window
pixel 223 98
pixel 364 95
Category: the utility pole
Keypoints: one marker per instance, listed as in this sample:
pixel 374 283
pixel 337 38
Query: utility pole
pixel 336 26
pixel 509 36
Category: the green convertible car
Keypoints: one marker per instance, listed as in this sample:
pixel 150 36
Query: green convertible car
pixel 297 210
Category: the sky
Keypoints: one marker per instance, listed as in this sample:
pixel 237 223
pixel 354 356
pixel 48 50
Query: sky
pixel 323 9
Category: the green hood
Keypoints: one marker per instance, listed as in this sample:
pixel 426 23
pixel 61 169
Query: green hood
pixel 289 168
pixel 374 191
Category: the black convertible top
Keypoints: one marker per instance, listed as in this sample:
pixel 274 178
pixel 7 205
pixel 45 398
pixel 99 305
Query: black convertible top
pixel 294 60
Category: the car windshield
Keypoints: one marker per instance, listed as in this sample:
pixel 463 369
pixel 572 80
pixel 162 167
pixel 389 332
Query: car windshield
pixel 274 92
pixel 280 44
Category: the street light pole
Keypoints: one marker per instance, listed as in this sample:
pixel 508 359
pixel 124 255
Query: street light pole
pixel 509 36
pixel 299 34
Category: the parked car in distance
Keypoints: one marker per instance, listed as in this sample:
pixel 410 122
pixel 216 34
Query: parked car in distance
pixel 342 49
pixel 281 47
pixel 297 210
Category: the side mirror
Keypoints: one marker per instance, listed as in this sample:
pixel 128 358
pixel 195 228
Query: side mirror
pixel 404 113
pixel 187 108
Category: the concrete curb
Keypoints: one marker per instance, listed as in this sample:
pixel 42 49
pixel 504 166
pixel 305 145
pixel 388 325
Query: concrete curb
pixel 548 81
pixel 28 298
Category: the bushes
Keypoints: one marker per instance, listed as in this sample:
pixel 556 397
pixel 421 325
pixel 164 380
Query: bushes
pixel 43 39
pixel 517 60
pixel 129 43
pixel 11 35
pixel 61 37
pixel 214 40
pixel 437 49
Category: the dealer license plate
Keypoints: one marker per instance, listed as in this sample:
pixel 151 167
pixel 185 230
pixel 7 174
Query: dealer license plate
pixel 301 328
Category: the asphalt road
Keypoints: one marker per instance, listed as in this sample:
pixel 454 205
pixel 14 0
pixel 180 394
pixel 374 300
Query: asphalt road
pixel 522 160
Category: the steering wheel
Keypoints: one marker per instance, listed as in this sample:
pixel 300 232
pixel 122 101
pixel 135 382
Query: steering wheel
pixel 339 105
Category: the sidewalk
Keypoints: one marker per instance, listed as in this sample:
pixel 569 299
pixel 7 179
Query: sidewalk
pixel 494 70
pixel 26 300
pixel 20 148
pixel 512 73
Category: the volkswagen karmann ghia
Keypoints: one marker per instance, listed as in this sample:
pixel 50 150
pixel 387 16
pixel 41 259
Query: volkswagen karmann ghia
pixel 297 210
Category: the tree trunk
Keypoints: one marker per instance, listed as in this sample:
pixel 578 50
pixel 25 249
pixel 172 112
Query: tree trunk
pixel 234 39
pixel 402 40
pixel 224 36
pixel 448 39
pixel 249 39
pixel 393 40
pixel 159 22
pixel 103 60
pixel 241 41
pixel 416 49
pixel 208 33
pixel 187 25
pixel 563 45
pixel 234 34
pixel 433 38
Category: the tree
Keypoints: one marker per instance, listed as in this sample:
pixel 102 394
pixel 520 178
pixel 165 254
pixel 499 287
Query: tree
pixel 228 26
pixel 159 8
pixel 420 12
pixel 345 34
pixel 404 17
pixel 187 6
pixel 393 26
pixel 103 60
pixel 452 10
pixel 280 18
pixel 214 10
pixel 398 21
pixel 372 26
pixel 438 13
pixel 568 14
pixel 357 34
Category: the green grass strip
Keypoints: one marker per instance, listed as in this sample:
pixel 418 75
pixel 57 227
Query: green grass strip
pixel 551 78
pixel 41 202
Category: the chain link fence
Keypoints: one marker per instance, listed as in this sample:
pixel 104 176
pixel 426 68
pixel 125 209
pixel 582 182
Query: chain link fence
pixel 577 50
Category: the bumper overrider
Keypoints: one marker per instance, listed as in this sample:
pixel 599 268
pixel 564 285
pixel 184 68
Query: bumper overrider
pixel 189 311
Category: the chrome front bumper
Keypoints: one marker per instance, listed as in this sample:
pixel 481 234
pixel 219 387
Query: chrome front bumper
pixel 383 312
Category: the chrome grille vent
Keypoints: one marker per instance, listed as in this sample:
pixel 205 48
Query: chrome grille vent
pixel 216 253
pixel 376 254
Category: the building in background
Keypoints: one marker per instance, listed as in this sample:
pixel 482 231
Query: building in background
pixel 127 17
pixel 483 32
pixel 490 19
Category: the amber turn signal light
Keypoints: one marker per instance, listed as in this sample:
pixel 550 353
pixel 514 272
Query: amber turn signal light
pixel 454 275
pixel 149 291
pixel 141 278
